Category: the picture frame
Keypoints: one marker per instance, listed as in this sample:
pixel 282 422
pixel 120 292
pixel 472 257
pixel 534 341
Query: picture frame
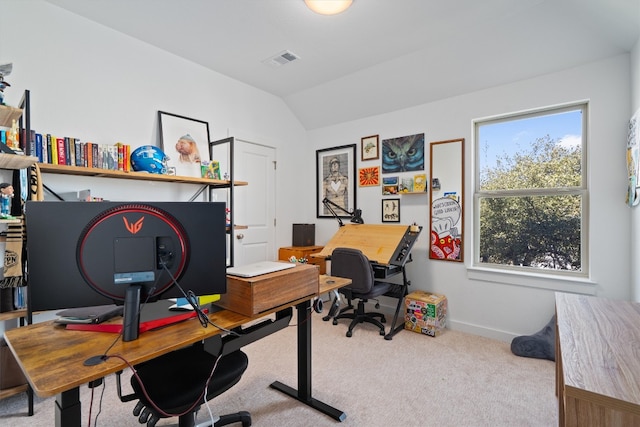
pixel 184 159
pixel 336 180
pixel 390 210
pixel 403 154
pixel 390 185
pixel 370 148
pixel 369 177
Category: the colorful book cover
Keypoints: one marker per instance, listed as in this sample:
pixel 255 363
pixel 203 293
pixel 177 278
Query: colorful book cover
pixel 54 150
pixel 39 148
pixel 420 183
pixel 60 152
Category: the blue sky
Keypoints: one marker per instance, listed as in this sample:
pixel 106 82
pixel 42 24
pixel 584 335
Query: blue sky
pixel 514 136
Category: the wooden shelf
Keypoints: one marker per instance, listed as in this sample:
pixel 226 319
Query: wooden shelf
pixel 141 176
pixel 407 193
pixel 8 115
pixel 13 390
pixel 14 314
pixel 16 161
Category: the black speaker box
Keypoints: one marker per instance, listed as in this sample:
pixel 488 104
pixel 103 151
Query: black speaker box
pixel 304 234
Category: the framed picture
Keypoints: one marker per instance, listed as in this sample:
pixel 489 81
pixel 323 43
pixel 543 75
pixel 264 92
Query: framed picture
pixel 389 185
pixel 403 154
pixel 336 180
pixel 390 210
pixel 369 177
pixel 185 141
pixel 369 148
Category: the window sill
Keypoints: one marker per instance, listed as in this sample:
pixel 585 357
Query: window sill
pixel 577 285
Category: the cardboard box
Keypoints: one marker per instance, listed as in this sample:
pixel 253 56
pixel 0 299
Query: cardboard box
pixel 425 313
pixel 10 373
pixel 254 295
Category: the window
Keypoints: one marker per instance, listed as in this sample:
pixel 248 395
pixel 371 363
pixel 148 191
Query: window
pixel 530 192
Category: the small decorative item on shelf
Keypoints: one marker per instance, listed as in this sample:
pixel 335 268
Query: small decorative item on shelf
pixel 6 194
pixel 414 228
pixel 210 169
pixel 228 212
pixel 302 260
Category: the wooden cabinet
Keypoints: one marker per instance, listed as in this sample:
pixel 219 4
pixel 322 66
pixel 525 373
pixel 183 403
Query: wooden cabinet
pixel 303 252
pixel 597 363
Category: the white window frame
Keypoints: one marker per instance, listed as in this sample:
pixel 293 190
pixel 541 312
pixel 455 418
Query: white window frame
pixel 563 280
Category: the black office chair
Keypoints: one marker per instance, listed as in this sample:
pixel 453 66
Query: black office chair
pixel 176 380
pixel 354 265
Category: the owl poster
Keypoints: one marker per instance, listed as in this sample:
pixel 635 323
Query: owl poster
pixel 403 154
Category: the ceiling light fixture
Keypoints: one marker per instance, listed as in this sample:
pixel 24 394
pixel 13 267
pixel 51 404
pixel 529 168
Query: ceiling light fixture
pixel 328 7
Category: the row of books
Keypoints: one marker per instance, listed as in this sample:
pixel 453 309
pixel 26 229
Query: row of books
pixel 73 152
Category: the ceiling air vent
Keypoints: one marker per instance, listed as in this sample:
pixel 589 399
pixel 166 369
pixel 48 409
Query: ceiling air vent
pixel 281 58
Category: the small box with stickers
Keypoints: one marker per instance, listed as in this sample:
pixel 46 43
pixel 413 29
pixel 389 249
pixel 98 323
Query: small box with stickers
pixel 425 313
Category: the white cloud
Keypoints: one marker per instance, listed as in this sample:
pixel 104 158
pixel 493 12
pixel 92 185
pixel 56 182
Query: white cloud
pixel 570 141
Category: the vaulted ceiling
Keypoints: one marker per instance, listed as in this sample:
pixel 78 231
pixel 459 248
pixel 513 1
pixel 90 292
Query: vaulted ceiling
pixel 379 55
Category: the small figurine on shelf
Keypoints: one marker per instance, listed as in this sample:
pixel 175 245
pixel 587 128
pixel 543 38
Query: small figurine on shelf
pixel 6 194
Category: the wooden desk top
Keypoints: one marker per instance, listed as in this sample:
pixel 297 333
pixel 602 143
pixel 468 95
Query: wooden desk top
pixel 600 349
pixel 52 357
pixel 377 242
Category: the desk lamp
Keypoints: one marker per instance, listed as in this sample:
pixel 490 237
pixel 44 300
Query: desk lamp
pixel 356 215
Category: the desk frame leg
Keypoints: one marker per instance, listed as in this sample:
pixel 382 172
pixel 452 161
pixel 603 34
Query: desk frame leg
pixel 405 291
pixel 68 409
pixel 303 394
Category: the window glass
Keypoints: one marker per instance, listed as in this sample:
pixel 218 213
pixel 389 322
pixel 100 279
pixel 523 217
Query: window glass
pixel 530 190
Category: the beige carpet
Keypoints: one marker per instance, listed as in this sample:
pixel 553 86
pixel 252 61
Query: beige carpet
pixel 455 379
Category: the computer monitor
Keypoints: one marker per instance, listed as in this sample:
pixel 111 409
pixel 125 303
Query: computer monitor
pixel 82 254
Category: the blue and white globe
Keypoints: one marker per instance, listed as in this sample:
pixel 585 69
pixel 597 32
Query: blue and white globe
pixel 149 158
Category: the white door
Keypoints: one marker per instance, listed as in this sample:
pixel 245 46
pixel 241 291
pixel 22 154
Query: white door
pixel 254 204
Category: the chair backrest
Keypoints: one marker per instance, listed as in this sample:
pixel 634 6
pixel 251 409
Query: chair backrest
pixel 353 264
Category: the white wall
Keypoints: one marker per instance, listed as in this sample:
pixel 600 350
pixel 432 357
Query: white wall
pixel 490 308
pixel 91 82
pixel 635 212
pixel 94 83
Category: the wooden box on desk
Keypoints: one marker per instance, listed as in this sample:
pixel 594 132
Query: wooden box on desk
pixel 253 295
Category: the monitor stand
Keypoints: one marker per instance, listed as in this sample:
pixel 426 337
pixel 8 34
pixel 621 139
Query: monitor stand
pixel 131 314
pixel 130 321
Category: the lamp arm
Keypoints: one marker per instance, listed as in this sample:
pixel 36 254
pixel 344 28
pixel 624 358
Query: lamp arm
pixel 326 202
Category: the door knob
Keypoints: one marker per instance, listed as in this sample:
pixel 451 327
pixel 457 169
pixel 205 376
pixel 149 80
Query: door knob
pixel 240 236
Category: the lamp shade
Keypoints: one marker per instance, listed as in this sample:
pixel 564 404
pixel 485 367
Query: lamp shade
pixel 328 7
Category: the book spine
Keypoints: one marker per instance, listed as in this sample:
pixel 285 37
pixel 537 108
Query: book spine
pixel 88 155
pixel 39 148
pixel 54 150
pixel 120 154
pixel 95 154
pixel 127 156
pixel 67 150
pixel 62 156
pixel 78 149
pixel 32 143
pixel 71 158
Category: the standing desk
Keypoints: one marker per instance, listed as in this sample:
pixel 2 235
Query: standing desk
pixel 388 248
pixel 52 357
